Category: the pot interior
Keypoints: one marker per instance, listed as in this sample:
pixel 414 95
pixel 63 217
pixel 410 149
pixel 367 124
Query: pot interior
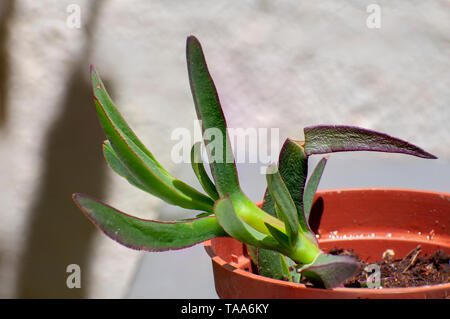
pixel 369 221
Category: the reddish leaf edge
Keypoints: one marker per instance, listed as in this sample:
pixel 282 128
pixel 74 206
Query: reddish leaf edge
pixel 75 197
pixel 121 136
pixel 342 260
pixel 191 40
pixel 419 152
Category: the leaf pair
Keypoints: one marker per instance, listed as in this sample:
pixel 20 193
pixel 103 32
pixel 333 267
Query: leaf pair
pixel 149 235
pixel 209 113
pixel 130 158
pixel 200 172
pixel 237 228
pixel 214 128
pixel 275 241
pixel 290 180
pixel 293 170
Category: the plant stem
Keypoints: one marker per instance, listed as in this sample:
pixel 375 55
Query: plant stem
pixel 304 250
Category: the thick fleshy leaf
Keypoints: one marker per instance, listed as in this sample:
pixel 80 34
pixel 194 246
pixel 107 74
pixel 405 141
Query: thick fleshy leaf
pixel 200 172
pixel 214 126
pixel 330 271
pixel 284 205
pixel 238 229
pixel 273 264
pixel 114 162
pixel 203 214
pixel 112 113
pixel 216 138
pixel 268 204
pixel 292 165
pixel 147 235
pixel 293 168
pixel 253 253
pixel 295 275
pixel 279 236
pixel 311 187
pixel 140 163
pixel 338 138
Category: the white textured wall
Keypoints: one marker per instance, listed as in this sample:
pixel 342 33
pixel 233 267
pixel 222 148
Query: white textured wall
pixel 285 65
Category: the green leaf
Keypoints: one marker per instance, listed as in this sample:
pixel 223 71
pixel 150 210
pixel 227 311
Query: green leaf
pixel 114 162
pixel 273 264
pixel 311 187
pixel 202 215
pixel 142 166
pixel 253 253
pixel 292 266
pixel 238 229
pixel 214 126
pixel 293 168
pixel 216 138
pixel 111 112
pixel 147 235
pixel 200 172
pixel 330 271
pixel 279 236
pixel 284 205
pixel 339 138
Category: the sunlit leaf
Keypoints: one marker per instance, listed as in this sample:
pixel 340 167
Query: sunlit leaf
pixel 112 113
pixel 311 187
pixel 214 128
pixel 293 168
pixel 114 162
pixel 339 138
pixel 200 172
pixel 280 237
pixel 284 205
pixel 142 166
pixel 330 271
pixel 144 234
pixel 237 228
pixel 209 112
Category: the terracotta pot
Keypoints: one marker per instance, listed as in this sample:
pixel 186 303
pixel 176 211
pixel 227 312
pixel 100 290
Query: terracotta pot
pixel 369 221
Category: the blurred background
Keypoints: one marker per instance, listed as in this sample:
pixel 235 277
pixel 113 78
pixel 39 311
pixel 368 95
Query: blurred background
pixel 279 65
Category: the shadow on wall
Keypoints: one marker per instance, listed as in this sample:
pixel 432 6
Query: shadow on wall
pixel 58 233
pixel 7 11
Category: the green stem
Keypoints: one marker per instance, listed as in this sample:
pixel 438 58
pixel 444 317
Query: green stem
pixel 305 251
pixel 253 215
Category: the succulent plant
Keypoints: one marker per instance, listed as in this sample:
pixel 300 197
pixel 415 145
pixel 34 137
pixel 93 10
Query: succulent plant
pixel 278 235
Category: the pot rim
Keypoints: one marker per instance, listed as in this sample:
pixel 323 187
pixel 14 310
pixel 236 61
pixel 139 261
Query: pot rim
pixel 382 188
pixel 400 290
